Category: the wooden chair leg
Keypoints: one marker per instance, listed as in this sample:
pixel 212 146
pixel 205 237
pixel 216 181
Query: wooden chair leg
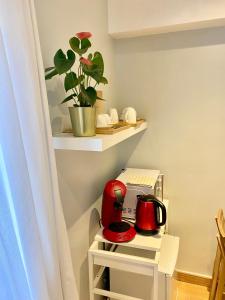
pixel 215 276
pixel 221 281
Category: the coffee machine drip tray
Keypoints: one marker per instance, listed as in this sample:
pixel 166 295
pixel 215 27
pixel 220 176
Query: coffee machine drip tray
pixel 119 226
pixel 119 232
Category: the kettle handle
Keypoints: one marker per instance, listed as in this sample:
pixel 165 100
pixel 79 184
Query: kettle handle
pixel 160 205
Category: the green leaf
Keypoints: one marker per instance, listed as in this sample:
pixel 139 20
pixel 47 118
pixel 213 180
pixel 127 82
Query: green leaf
pixel 75 44
pixel 85 44
pixel 78 46
pixel 88 70
pixel 90 56
pixel 63 63
pixel 96 70
pixel 103 80
pixel 50 73
pixel 70 81
pixel 95 75
pixel 69 98
pixel 92 71
pixel 98 61
pixel 92 95
pixel 89 95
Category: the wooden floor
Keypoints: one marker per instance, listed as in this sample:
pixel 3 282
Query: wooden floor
pixel 188 291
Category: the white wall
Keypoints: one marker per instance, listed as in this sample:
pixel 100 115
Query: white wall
pixel 177 81
pixel 136 17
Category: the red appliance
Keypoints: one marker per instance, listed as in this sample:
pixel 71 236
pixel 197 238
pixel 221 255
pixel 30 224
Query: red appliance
pixel 148 215
pixel 115 230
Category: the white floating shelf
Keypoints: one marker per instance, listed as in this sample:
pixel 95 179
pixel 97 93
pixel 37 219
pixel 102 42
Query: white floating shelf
pixel 100 142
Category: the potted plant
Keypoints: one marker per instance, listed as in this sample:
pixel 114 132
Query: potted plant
pixel 80 84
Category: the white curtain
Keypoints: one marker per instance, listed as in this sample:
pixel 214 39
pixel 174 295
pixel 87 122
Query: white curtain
pixel 35 260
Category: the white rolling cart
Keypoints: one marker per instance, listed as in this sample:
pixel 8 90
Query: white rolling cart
pixel 146 260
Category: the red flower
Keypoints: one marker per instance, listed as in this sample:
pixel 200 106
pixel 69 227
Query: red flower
pixel 85 61
pixel 83 35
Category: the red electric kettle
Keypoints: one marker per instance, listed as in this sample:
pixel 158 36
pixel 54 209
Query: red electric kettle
pixel 148 215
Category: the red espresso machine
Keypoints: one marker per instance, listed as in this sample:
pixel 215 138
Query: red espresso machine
pixel 115 230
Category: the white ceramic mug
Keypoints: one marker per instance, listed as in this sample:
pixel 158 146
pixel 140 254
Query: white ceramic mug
pixel 103 120
pixel 129 115
pixel 114 116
